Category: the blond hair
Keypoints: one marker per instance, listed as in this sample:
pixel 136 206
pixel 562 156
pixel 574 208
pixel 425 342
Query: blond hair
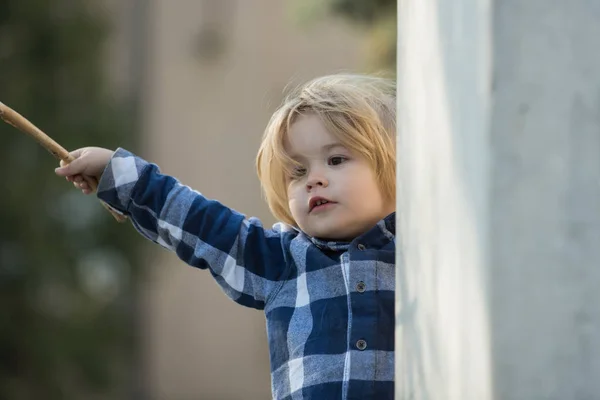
pixel 359 110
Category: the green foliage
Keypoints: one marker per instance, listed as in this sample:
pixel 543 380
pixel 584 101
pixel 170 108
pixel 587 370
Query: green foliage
pixel 65 265
pixel 367 11
pixel 378 17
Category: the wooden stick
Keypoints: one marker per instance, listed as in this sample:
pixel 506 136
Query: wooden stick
pixel 15 119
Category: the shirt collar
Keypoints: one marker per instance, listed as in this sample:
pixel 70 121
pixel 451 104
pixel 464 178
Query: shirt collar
pixel 387 226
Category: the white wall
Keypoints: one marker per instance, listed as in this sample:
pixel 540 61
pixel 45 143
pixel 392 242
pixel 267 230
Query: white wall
pixel 499 181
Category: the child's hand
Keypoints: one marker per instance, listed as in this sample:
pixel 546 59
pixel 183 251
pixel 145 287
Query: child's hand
pixel 89 161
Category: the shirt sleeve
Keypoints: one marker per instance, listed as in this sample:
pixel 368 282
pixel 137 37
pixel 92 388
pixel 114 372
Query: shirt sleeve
pixel 246 260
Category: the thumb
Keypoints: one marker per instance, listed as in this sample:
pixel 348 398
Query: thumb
pixel 75 167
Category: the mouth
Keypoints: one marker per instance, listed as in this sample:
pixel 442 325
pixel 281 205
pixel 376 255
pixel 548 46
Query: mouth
pixel 318 203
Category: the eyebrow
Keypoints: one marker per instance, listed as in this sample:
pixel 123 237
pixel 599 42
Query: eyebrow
pixel 332 146
pixel 326 148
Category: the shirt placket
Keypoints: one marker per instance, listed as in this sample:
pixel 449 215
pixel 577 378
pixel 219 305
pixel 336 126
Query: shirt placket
pixel 364 311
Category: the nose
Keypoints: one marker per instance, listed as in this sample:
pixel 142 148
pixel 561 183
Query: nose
pixel 316 179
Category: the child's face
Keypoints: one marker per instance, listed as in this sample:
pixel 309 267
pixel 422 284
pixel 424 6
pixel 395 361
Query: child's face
pixel 331 172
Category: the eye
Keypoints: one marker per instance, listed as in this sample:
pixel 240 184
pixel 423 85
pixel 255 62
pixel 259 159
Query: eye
pixel 336 160
pixel 298 172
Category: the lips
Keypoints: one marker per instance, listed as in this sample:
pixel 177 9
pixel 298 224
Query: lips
pixel 318 201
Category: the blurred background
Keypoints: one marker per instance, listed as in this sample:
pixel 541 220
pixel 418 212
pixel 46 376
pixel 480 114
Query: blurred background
pixel 89 310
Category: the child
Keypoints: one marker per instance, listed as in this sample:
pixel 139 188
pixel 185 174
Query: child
pixel 325 275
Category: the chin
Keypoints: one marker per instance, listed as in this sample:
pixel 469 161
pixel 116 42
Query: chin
pixel 339 231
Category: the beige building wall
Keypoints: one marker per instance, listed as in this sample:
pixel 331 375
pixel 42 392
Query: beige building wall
pixel 213 74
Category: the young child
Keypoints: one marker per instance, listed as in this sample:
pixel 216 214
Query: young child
pixel 324 275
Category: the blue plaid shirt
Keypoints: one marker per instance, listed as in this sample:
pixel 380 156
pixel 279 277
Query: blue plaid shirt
pixel 329 306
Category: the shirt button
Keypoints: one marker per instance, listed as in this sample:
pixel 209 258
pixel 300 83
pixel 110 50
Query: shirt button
pixel 360 287
pixel 361 247
pixel 361 344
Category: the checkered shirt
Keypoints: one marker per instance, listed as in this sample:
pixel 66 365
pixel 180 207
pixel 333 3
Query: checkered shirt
pixel 329 306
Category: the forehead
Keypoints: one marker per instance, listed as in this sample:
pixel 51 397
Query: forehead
pixel 308 135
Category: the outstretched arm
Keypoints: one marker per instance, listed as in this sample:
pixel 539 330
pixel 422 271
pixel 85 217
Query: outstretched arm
pixel 248 261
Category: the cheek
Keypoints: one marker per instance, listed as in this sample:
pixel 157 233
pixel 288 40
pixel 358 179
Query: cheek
pixel 362 188
pixel 292 192
pixel 294 197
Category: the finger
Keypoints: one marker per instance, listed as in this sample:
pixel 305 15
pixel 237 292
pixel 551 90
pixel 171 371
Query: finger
pixel 77 166
pixel 75 178
pixel 91 183
pixel 74 155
